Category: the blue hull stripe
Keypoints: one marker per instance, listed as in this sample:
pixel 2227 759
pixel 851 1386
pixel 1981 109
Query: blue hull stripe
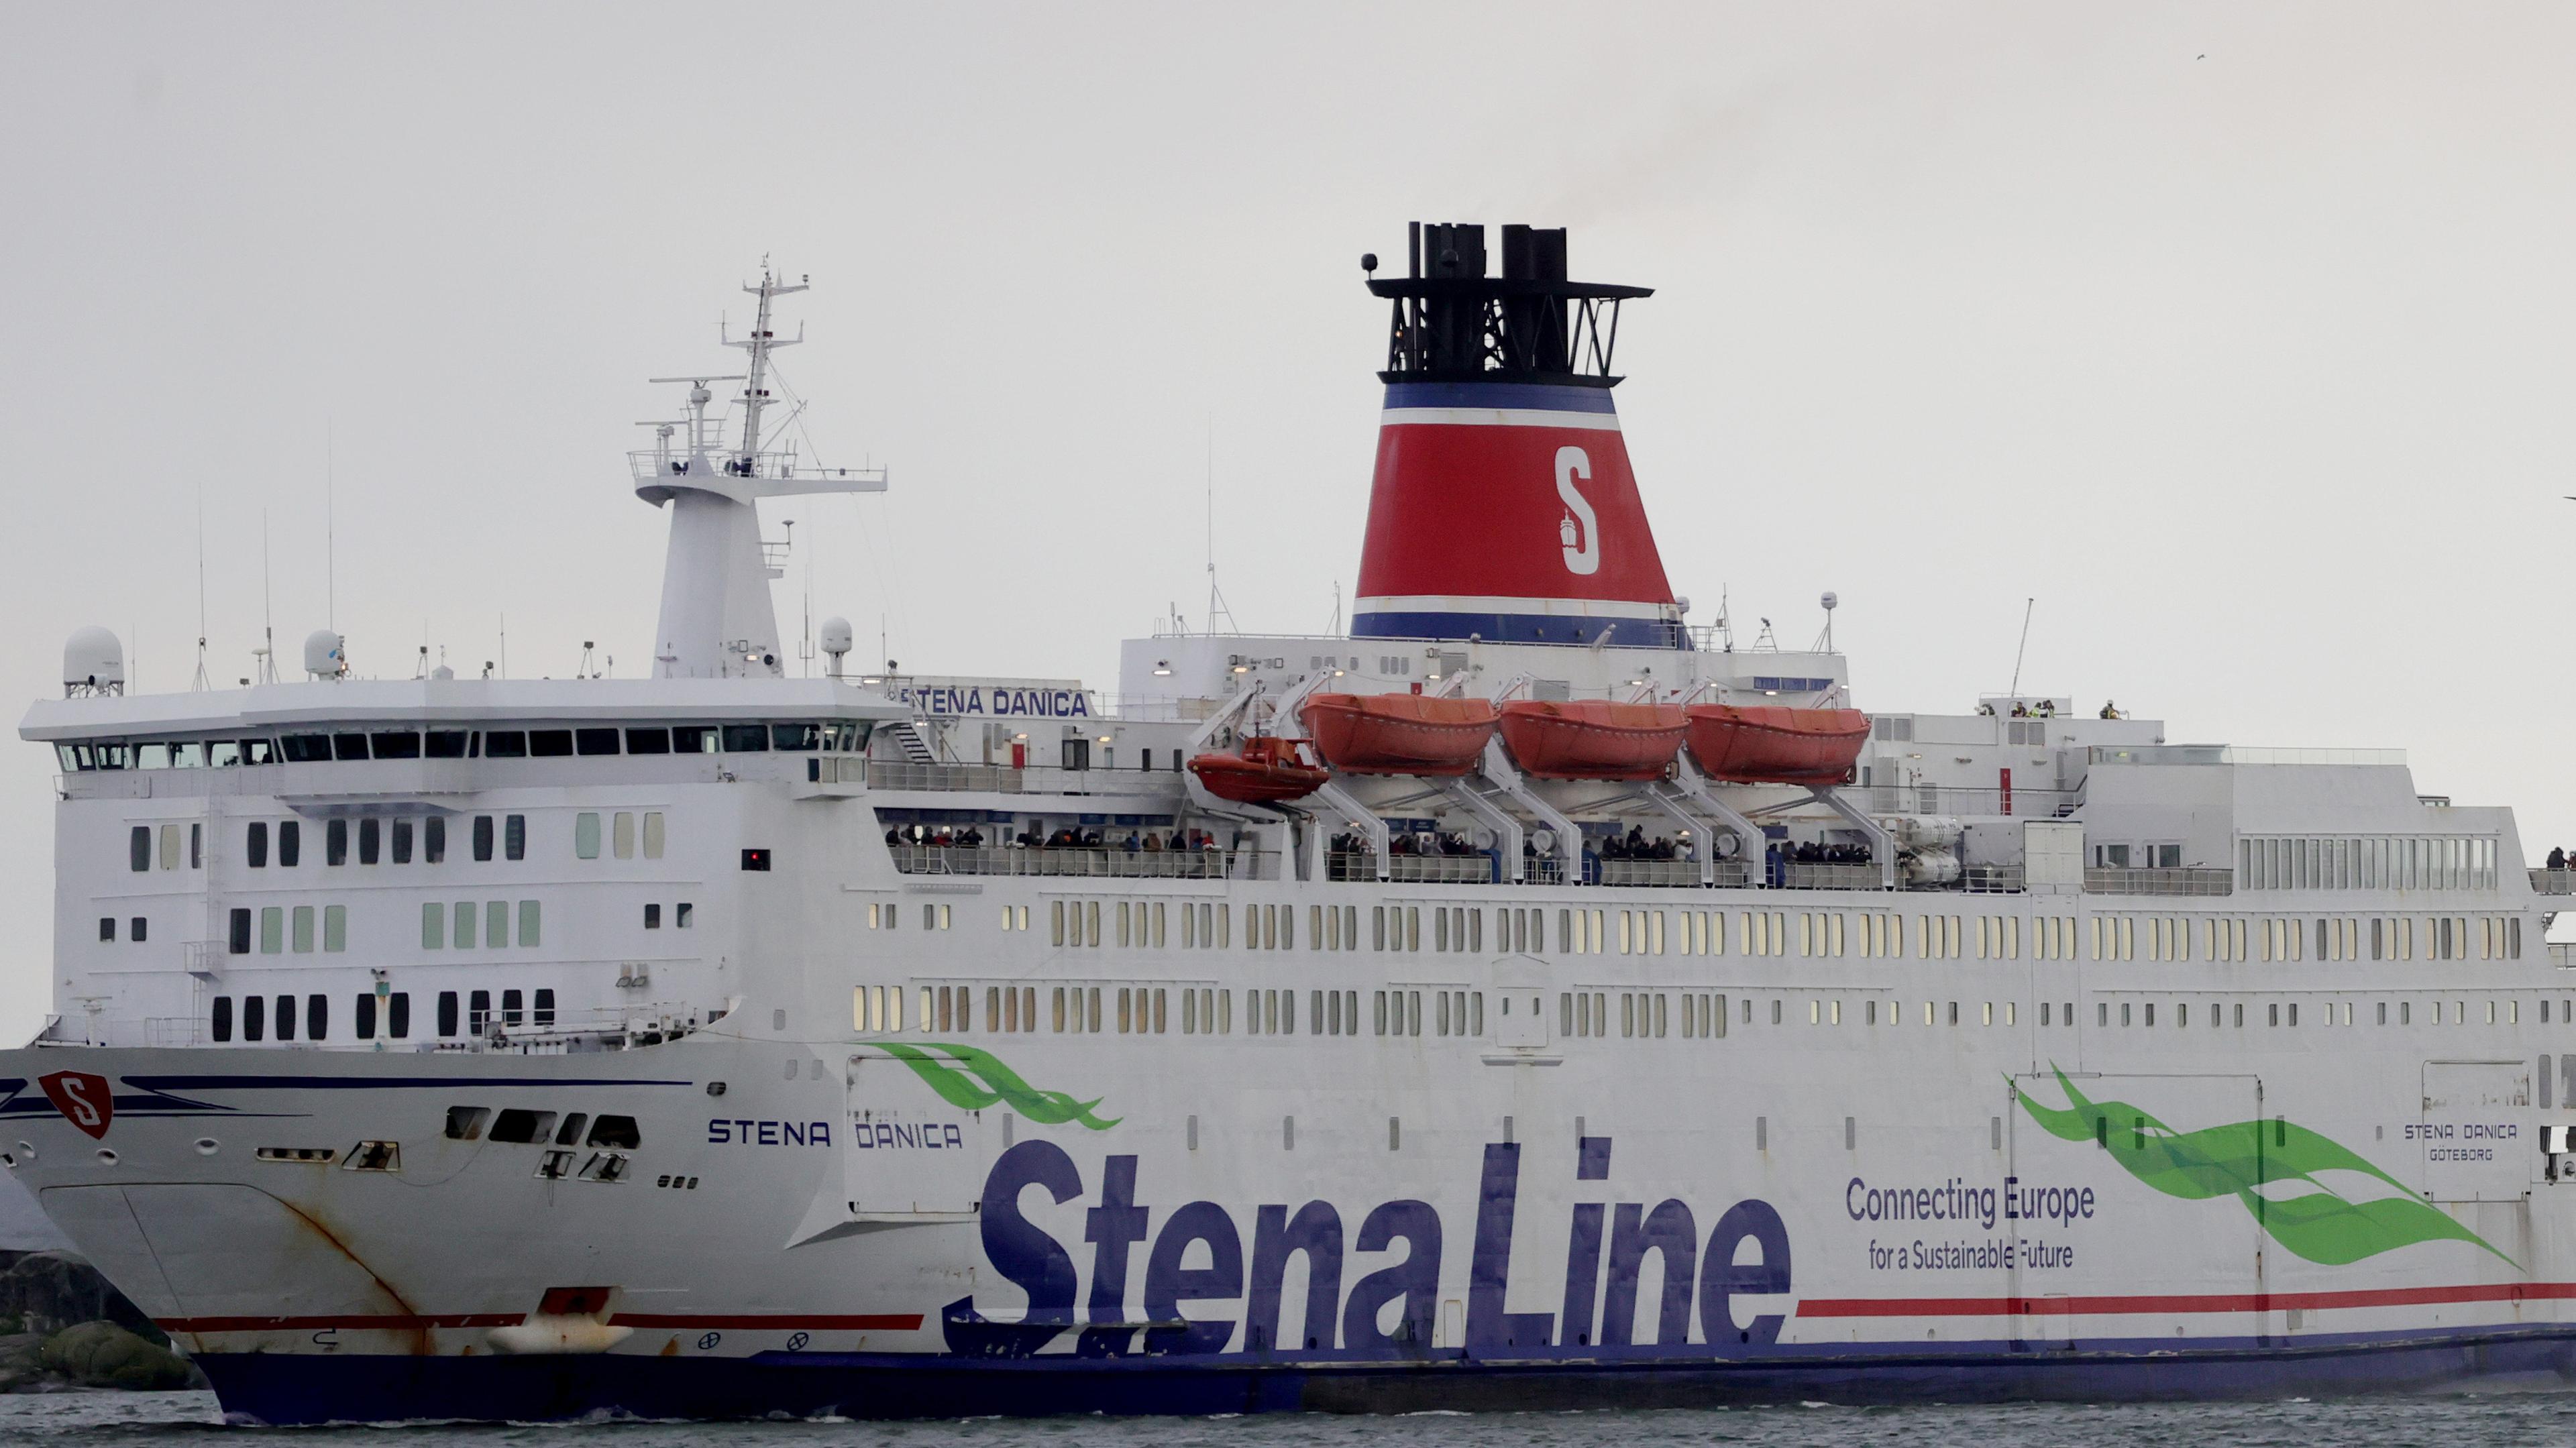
pixel 283 1388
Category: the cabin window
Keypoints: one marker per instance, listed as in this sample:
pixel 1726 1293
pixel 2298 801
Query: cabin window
pixel 255 845
pixel 523 1127
pixel 513 1005
pixel 398 1015
pixel 464 925
pixel 594 741
pixel 447 1013
pixel 272 929
pixel 653 916
pixel 618 1132
pixel 254 1024
pixel 402 842
pixel 138 848
pixel 514 837
pixel 653 834
pixel 585 835
pixel 800 738
pixel 303 932
pixel 433 840
pixel 317 1017
pixel 549 743
pixel 622 836
pixel 362 1016
pixel 107 927
pixel 286 1018
pixel 683 915
pixel 496 924
pixel 237 932
pixel 335 927
pixel 335 842
pixel 478 1011
pixel 482 838
pixel 222 1021
pixel 370 841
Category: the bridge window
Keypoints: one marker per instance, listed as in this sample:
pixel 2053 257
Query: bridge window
pixel 549 743
pixel 594 741
pixel 746 739
pixel 447 743
pixel 505 744
pixel 647 741
pixel 396 744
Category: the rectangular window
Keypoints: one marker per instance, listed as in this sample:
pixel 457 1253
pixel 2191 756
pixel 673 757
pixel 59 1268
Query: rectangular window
pixel 138 848
pixel 549 743
pixel 398 1015
pixel 255 845
pixel 683 915
pixel 585 835
pixel 482 838
pixel 254 1018
pixel 222 1021
pixel 514 837
pixel 465 925
pixel 433 840
pixel 369 840
pixel 286 1014
pixel 512 1006
pixel 594 741
pixel 496 924
pixel 362 1019
pixel 653 834
pixel 317 1017
pixel 335 928
pixel 653 916
pixel 335 849
pixel 447 1013
pixel 622 835
pixel 648 741
pixel 528 920
pixel 237 931
pixel 402 842
pixel 478 1012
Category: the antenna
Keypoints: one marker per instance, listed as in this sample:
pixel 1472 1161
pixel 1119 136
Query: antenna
pixel 2027 605
pixel 267 615
pixel 330 537
pixel 201 683
pixel 505 645
pixel 1216 599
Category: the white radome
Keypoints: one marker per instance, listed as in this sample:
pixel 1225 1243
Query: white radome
pixel 93 657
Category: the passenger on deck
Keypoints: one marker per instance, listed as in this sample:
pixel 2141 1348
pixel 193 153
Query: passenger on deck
pixel 1153 843
pixel 2557 858
pixel 2109 710
pixel 1131 844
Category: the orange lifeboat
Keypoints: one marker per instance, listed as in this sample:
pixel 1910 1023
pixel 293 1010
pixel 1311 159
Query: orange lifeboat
pixel 1267 771
pixel 1768 745
pixel 1592 738
pixel 1399 733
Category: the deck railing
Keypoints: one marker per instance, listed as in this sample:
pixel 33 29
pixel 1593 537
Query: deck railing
pixel 2552 882
pixel 2101 880
pixel 1087 863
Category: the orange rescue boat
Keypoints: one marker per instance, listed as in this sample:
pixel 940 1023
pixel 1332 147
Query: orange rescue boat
pixel 1592 738
pixel 1267 771
pixel 1768 745
pixel 1400 733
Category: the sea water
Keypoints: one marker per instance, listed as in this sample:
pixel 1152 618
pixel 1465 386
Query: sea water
pixel 2509 1420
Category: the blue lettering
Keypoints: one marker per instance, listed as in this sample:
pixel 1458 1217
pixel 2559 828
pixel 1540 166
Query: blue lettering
pixel 821 1132
pixel 794 1132
pixel 1488 1326
pixel 1669 1230
pixel 1022 1253
pixel 1582 1273
pixel 1112 1227
pixel 975 701
pixel 1415 1282
pixel 956 1139
pixel 1168 1284
pixel 768 1133
pixel 718 1132
pixel 862 1140
pixel 1721 1277
pixel 1316 1230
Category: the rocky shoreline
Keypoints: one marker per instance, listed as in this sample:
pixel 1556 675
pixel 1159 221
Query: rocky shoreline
pixel 62 1327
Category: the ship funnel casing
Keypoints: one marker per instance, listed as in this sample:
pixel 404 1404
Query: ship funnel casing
pixel 1503 505
pixel 1508 511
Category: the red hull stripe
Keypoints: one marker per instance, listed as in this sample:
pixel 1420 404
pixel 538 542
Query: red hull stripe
pixel 408 1322
pixel 2180 1302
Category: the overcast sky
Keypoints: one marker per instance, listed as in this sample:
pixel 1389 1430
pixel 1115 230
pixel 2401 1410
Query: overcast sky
pixel 2236 335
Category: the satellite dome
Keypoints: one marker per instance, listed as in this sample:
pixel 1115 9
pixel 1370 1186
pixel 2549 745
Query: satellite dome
pixel 325 654
pixel 93 661
pixel 836 636
pixel 442 672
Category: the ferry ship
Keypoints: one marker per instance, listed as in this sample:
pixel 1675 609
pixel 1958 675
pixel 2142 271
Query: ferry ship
pixel 1528 998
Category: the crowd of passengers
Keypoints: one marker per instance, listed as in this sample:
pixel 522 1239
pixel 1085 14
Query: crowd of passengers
pixel 1816 854
pixel 1148 842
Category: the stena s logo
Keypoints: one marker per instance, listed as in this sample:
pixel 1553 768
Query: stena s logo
pixel 1576 532
pixel 82 1098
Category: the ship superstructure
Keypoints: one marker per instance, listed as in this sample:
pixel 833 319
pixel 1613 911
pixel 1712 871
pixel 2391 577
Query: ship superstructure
pixel 1528 998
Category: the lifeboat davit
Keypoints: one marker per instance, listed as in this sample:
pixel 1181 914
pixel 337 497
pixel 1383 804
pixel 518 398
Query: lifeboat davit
pixel 1267 771
pixel 1770 745
pixel 1592 738
pixel 1400 733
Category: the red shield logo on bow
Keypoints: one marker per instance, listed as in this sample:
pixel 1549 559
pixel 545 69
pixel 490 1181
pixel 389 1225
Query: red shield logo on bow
pixel 82 1098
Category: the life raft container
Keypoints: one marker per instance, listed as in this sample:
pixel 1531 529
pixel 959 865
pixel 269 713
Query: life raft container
pixel 1267 771
pixel 1770 745
pixel 1592 738
pixel 1399 733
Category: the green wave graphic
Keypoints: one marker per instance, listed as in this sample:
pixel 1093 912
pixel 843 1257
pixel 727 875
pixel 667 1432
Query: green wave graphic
pixel 2235 1160
pixel 978 1079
